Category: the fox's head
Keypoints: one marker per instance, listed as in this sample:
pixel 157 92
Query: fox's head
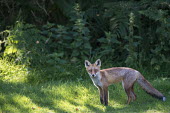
pixel 93 69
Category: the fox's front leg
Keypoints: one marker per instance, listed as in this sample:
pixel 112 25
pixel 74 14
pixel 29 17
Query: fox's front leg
pixel 101 92
pixel 105 89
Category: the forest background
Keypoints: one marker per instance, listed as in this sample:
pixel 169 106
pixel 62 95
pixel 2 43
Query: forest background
pixel 48 40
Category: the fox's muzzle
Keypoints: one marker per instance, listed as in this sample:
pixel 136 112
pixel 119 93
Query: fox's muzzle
pixel 93 75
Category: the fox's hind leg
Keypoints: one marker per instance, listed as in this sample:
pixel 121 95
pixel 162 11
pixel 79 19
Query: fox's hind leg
pixel 127 90
pixel 133 95
pixel 128 87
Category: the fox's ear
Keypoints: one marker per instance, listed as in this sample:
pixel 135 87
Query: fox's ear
pixel 87 63
pixel 98 62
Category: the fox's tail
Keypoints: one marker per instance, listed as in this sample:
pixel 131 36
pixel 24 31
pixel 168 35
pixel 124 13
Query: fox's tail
pixel 150 89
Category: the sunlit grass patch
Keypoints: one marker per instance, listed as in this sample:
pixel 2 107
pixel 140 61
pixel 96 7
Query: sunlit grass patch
pixel 72 95
pixel 66 105
pixel 12 73
pixel 10 108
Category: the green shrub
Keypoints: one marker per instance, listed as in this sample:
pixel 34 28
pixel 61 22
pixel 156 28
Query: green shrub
pixel 127 33
pixel 25 45
pixel 72 41
pixel 138 33
pixel 52 46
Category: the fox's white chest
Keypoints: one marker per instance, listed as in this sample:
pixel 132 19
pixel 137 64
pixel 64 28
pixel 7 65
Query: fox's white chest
pixel 97 81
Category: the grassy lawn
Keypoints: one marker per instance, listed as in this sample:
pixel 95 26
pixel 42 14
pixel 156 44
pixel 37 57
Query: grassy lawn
pixel 79 95
pixel 74 96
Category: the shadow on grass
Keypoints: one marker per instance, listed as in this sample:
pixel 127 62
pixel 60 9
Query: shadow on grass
pixel 37 98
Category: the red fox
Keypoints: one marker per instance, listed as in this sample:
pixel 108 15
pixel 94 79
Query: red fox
pixel 103 78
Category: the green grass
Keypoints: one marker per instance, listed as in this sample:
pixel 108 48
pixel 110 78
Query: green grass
pixel 74 96
pixel 79 95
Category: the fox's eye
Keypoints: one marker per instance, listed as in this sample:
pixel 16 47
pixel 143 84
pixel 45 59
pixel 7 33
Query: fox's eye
pixel 95 70
pixel 90 71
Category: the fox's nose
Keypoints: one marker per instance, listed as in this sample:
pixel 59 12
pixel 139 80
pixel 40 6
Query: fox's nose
pixel 93 75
